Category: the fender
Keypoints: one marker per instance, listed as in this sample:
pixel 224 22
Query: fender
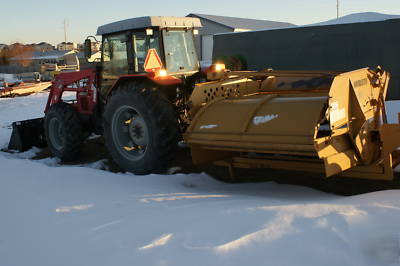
pixel 151 76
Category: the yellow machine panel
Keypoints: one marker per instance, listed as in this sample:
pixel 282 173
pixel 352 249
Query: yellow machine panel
pixel 318 121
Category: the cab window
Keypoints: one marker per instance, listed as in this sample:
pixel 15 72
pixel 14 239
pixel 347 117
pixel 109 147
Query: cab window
pixel 114 56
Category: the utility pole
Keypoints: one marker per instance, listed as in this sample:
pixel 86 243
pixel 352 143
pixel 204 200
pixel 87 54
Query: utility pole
pixel 337 8
pixel 65 30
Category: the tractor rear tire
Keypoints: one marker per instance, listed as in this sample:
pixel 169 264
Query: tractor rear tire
pixel 141 129
pixel 64 131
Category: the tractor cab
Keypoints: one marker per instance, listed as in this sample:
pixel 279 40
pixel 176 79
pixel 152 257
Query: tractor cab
pixel 137 98
pixel 147 44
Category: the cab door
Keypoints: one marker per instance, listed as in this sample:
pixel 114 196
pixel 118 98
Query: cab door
pixel 114 59
pixel 142 42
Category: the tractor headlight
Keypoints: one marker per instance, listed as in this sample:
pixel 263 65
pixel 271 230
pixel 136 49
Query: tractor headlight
pixel 162 73
pixel 219 67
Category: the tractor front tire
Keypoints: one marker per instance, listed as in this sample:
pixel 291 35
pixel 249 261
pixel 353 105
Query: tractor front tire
pixel 141 129
pixel 64 131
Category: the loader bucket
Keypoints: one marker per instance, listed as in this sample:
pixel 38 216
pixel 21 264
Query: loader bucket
pixel 27 134
pixel 306 121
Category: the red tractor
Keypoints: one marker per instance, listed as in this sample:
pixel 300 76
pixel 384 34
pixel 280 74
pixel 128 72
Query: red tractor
pixel 136 98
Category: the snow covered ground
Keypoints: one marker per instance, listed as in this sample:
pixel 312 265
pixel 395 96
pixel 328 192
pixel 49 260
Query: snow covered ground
pixel 79 215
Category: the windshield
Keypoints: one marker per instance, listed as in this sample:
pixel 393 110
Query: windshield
pixel 180 53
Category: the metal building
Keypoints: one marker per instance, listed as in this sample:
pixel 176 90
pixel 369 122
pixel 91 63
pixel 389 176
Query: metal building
pixel 221 24
pixel 333 47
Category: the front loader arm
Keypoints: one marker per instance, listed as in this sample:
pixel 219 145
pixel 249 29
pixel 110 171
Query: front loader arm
pixel 82 82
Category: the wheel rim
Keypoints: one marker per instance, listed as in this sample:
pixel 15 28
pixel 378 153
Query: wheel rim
pixel 56 133
pixel 130 133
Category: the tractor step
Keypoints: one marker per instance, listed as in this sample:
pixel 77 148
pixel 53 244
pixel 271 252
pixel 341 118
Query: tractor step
pixel 27 134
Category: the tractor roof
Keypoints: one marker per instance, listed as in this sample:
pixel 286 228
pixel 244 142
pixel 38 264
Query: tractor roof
pixel 147 22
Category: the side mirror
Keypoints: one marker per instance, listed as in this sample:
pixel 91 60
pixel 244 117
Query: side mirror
pixel 87 49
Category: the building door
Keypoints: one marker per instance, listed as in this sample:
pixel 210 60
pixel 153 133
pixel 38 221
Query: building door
pixel 206 47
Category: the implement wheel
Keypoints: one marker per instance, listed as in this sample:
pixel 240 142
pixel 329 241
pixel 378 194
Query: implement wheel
pixel 140 129
pixel 64 132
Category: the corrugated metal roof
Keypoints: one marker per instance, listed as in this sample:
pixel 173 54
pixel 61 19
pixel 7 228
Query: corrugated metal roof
pixel 243 23
pixel 144 22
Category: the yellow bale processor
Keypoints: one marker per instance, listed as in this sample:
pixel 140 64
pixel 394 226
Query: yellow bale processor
pixel 315 121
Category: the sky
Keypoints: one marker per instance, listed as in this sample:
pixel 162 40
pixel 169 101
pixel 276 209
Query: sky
pixel 32 21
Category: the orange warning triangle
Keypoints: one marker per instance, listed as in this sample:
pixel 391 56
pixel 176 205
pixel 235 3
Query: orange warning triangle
pixel 153 61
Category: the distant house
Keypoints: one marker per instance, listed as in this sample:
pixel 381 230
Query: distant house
pixel 43 47
pixel 95 46
pixel 67 46
pixel 221 24
pixel 40 47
